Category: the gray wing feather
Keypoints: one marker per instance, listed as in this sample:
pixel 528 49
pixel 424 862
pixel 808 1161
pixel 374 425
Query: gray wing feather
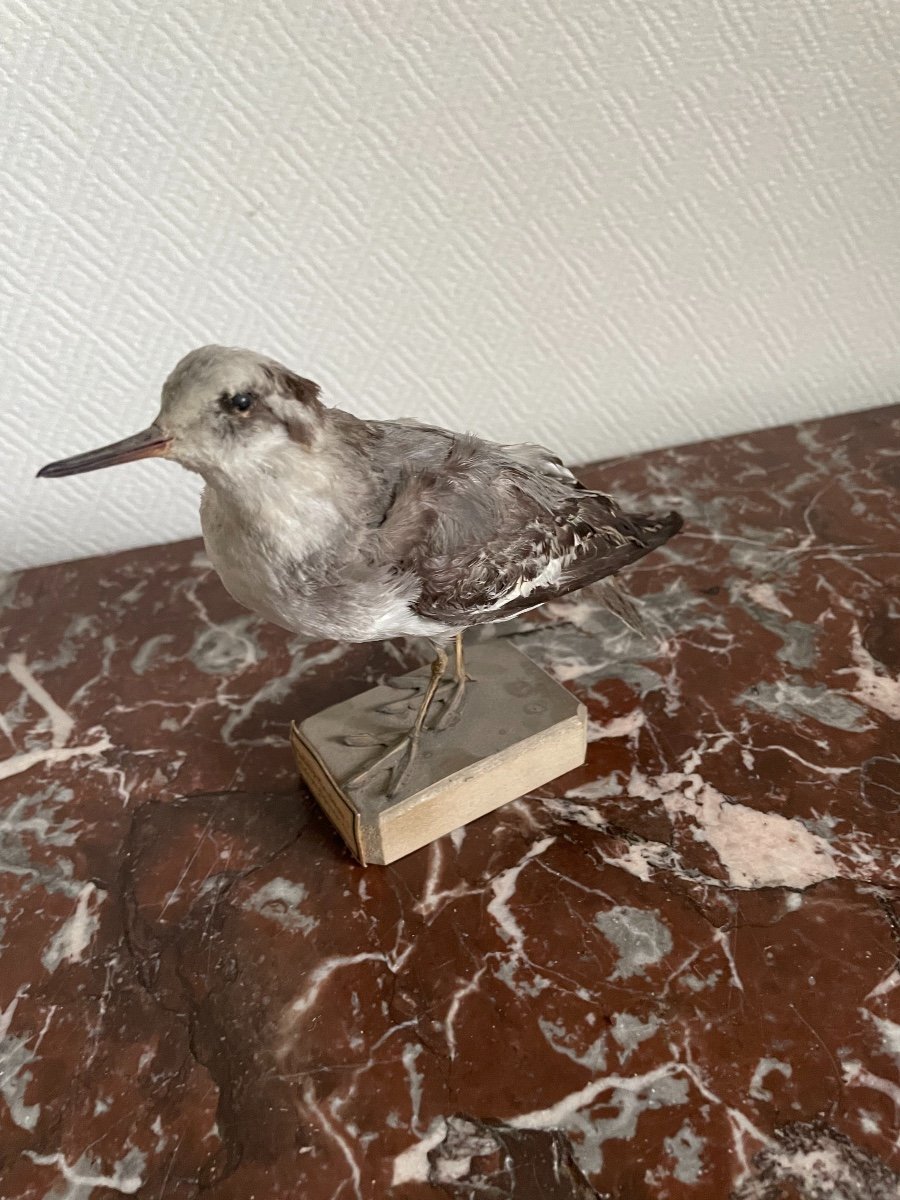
pixel 491 530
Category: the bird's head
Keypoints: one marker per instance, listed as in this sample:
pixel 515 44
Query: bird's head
pixel 223 410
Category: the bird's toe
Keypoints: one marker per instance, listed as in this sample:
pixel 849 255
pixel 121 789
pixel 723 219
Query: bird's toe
pixel 451 713
pixel 404 684
pixel 397 706
pixel 405 745
pixel 363 739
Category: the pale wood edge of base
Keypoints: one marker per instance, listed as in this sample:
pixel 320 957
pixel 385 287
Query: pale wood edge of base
pixel 452 803
pixel 462 795
pixel 327 793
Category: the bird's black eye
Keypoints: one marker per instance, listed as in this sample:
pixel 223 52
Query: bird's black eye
pixel 241 401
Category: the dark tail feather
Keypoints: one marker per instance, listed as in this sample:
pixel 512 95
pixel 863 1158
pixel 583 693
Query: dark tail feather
pixel 655 531
pixel 644 534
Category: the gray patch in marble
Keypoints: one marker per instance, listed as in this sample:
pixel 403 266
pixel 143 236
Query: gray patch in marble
pixel 557 1036
pixel 640 679
pixel 800 643
pixel 765 1067
pixel 638 934
pixel 700 983
pixel 508 973
pixel 302 664
pixel 9 585
pixel 32 819
pixel 82 628
pixel 280 901
pixel 679 607
pixel 600 788
pixel 35 813
pixel 824 827
pixel 152 653
pixel 668 1091
pixel 14 1080
pixel 567 647
pixel 685 1148
pixel 66 943
pixel 888 1032
pixel 157 1129
pixel 869 1122
pixel 799 639
pixel 76 933
pixel 465 1156
pixel 18 714
pixel 794 700
pixel 463 1141
pixel 629 1031
pixel 758 552
pixel 575 644
pixel 674 607
pixel 79 1180
pixel 227 648
pixel 411 1052
pixel 136 592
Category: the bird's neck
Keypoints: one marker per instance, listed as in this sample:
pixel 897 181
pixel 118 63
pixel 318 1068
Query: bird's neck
pixel 294 504
pixel 266 494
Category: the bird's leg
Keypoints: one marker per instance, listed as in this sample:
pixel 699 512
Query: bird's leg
pixel 408 743
pixel 418 687
pixel 453 705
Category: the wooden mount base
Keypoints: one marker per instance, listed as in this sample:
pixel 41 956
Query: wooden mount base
pixel 518 729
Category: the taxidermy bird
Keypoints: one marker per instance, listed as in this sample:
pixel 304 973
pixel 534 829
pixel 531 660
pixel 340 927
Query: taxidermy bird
pixel 335 527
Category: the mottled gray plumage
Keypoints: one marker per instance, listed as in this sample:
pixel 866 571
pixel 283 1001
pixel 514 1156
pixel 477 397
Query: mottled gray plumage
pixel 332 526
pixel 481 525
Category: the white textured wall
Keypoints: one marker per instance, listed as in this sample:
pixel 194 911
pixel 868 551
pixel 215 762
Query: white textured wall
pixel 604 224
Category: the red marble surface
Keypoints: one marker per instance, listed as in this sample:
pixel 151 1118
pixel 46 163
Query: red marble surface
pixel 673 974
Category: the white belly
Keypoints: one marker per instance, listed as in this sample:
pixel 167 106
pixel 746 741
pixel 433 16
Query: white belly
pixel 266 576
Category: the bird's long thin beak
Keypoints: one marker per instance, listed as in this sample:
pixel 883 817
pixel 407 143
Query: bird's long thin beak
pixel 146 444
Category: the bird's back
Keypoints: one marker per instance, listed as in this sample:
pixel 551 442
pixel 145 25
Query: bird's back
pixel 491 530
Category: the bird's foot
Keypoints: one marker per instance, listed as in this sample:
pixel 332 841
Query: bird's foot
pixel 416 689
pixel 450 712
pixel 406 746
